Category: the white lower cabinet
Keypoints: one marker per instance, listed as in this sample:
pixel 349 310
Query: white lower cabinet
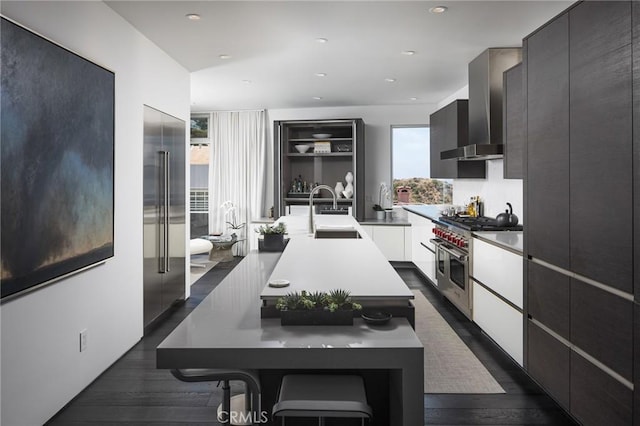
pixel 391 240
pixel 499 320
pixel 501 317
pixel 422 250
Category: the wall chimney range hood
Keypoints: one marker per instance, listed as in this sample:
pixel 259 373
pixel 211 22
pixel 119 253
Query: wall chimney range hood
pixel 485 105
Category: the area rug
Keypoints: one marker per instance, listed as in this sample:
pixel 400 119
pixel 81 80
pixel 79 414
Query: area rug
pixel 198 272
pixel 449 365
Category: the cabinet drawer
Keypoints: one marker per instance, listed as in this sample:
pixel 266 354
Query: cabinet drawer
pixel 548 363
pixel 499 270
pixel 499 320
pixel 548 296
pixel 597 398
pixel 602 326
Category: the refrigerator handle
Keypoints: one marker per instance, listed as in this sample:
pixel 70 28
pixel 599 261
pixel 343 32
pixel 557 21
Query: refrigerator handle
pixel 167 194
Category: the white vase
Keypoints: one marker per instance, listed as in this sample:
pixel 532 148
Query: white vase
pixel 339 188
pixel 349 188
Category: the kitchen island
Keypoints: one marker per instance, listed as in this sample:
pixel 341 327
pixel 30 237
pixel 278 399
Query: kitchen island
pixel 226 331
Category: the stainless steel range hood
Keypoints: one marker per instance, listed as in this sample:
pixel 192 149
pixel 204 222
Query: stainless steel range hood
pixel 485 105
pixel 483 151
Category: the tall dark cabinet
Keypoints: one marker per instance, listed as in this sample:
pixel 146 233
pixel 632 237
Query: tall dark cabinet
pixel 449 129
pixel 513 119
pixel 635 34
pixel 579 270
pixel 343 152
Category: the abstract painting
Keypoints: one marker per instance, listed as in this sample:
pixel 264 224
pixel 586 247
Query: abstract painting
pixel 57 162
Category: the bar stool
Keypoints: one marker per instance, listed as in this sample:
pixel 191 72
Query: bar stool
pixel 322 396
pixel 250 400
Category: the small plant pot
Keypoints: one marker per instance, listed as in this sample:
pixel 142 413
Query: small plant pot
pixel 317 317
pixel 272 242
pixel 380 214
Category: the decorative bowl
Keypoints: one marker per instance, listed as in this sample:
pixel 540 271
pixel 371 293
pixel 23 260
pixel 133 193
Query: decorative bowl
pixel 321 135
pixel 376 317
pixel 302 148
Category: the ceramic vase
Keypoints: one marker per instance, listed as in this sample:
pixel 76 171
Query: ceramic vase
pixel 339 188
pixel 349 188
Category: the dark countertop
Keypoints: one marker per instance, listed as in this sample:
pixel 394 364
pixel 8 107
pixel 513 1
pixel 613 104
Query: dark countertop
pixel 430 211
pixel 396 221
pixel 508 240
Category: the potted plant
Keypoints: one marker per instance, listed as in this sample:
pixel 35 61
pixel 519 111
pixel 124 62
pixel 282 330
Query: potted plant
pixel 379 211
pixel 273 237
pixel 317 308
pixel 231 219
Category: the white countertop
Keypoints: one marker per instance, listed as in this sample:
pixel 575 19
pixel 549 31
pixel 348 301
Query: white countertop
pixel 356 265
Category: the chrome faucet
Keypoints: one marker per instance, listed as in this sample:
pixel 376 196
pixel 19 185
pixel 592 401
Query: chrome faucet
pixel 313 191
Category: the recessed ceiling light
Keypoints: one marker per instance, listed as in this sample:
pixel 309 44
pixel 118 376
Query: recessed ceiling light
pixel 390 80
pixel 246 81
pixel 321 40
pixel 224 56
pixel 321 74
pixel 408 52
pixel 193 16
pixel 413 99
pixel 317 98
pixel 438 9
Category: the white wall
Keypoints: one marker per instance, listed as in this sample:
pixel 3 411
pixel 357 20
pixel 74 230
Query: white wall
pixel 495 191
pixel 462 93
pixel 378 121
pixel 42 368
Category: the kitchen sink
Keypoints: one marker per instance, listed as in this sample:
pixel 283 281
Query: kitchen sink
pixel 336 233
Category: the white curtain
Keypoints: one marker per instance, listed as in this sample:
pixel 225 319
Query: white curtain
pixel 237 170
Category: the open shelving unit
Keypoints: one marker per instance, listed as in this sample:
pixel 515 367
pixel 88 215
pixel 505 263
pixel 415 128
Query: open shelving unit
pixel 328 168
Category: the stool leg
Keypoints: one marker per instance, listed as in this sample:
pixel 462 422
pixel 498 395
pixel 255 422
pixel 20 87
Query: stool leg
pixel 226 402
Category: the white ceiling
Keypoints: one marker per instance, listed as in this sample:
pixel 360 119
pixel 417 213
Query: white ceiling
pixel 275 55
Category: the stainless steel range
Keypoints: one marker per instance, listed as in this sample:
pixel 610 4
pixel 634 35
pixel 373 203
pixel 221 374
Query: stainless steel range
pixel 452 240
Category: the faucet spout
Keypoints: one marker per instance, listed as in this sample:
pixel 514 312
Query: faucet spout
pixel 313 191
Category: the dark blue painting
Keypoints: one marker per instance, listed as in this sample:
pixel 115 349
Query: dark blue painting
pixel 57 153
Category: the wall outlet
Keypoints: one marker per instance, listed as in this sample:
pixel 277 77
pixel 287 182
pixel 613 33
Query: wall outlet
pixel 83 340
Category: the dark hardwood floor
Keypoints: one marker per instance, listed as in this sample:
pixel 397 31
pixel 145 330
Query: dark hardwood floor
pixel 133 392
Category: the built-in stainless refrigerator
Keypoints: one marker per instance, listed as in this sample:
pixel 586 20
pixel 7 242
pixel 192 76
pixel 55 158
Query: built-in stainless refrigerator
pixel 164 213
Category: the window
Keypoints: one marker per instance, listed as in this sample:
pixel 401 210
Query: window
pixel 199 179
pixel 410 169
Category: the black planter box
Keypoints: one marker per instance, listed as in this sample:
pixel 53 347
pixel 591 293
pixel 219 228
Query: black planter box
pixel 272 242
pixel 317 317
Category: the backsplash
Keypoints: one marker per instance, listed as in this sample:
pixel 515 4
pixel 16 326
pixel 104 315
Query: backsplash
pixel 495 191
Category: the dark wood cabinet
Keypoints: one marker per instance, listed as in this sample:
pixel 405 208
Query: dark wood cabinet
pixel 602 326
pixel 449 129
pixel 549 363
pixel 513 123
pixel 636 362
pixel 549 298
pixel 601 161
pixel 547 106
pixel 582 189
pixel 635 32
pixel 343 152
pixel 596 398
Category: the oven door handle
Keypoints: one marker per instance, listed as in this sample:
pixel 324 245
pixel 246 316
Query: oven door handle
pixel 458 256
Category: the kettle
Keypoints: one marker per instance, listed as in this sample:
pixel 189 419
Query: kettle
pixel 507 218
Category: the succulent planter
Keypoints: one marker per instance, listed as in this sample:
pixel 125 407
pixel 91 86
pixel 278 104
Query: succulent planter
pixel 272 242
pixel 316 317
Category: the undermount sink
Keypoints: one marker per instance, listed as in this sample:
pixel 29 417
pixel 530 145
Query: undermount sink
pixel 336 232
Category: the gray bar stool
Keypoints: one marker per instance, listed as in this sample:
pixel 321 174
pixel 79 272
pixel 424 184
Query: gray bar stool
pixel 251 397
pixel 308 395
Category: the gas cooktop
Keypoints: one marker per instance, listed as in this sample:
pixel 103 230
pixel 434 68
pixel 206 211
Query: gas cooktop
pixel 477 223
